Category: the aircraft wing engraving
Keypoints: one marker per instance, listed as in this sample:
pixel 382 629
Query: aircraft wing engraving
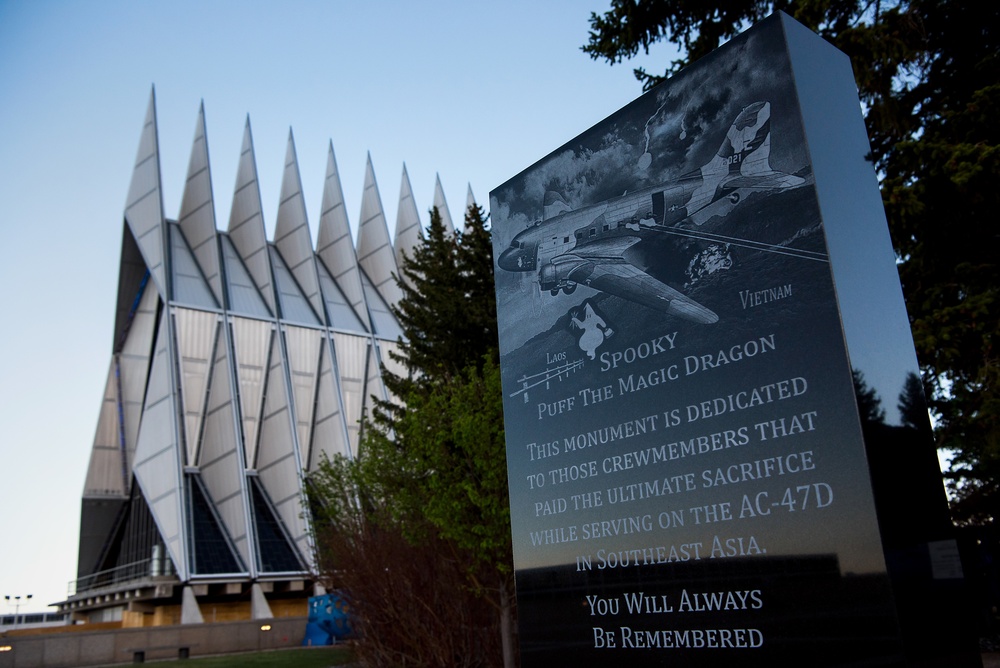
pixel 629 282
pixel 600 265
pixel 567 248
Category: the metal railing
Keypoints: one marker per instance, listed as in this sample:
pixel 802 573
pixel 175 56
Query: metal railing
pixel 115 577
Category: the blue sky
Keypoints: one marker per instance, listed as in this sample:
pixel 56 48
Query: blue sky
pixel 475 93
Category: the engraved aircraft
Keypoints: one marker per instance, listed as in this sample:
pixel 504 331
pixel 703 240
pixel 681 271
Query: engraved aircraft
pixel 589 246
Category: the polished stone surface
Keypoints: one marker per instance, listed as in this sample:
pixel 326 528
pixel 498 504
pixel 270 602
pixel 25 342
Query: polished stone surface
pixel 703 349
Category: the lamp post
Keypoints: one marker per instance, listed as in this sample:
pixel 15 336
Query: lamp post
pixel 16 602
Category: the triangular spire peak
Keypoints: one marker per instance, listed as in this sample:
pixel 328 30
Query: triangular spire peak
pixel 334 245
pixel 197 215
pixel 442 205
pixel 144 204
pixel 375 254
pixel 246 221
pixel 408 230
pixel 470 201
pixel 291 233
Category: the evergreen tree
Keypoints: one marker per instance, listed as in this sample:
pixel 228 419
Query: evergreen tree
pixel 432 465
pixel 448 310
pixel 927 74
pixel 448 436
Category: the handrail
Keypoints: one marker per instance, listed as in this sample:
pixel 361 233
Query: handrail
pixel 137 570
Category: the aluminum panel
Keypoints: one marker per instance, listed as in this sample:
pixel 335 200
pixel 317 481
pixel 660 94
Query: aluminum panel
pixel 303 347
pixel 197 216
pixel 374 387
pixel 375 255
pixel 252 341
pixel 277 461
pixel 340 313
pixel 329 436
pixel 195 332
pixel 352 365
pixel 386 349
pixel 219 457
pixel 291 234
pixel 441 204
pixel 246 222
pixel 243 294
pixel 106 473
pixel 334 246
pixel 157 455
pixel 383 321
pixel 294 305
pixel 133 369
pixel 408 232
pixel 144 204
pixel 187 286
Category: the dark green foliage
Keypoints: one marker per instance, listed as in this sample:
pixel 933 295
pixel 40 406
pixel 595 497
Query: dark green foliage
pixel 448 311
pixel 444 453
pixel 425 503
pixel 441 468
pixel 927 74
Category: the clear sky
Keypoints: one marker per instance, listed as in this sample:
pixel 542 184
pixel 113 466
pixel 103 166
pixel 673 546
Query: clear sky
pixel 471 91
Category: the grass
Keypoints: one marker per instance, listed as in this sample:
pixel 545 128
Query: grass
pixel 311 657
